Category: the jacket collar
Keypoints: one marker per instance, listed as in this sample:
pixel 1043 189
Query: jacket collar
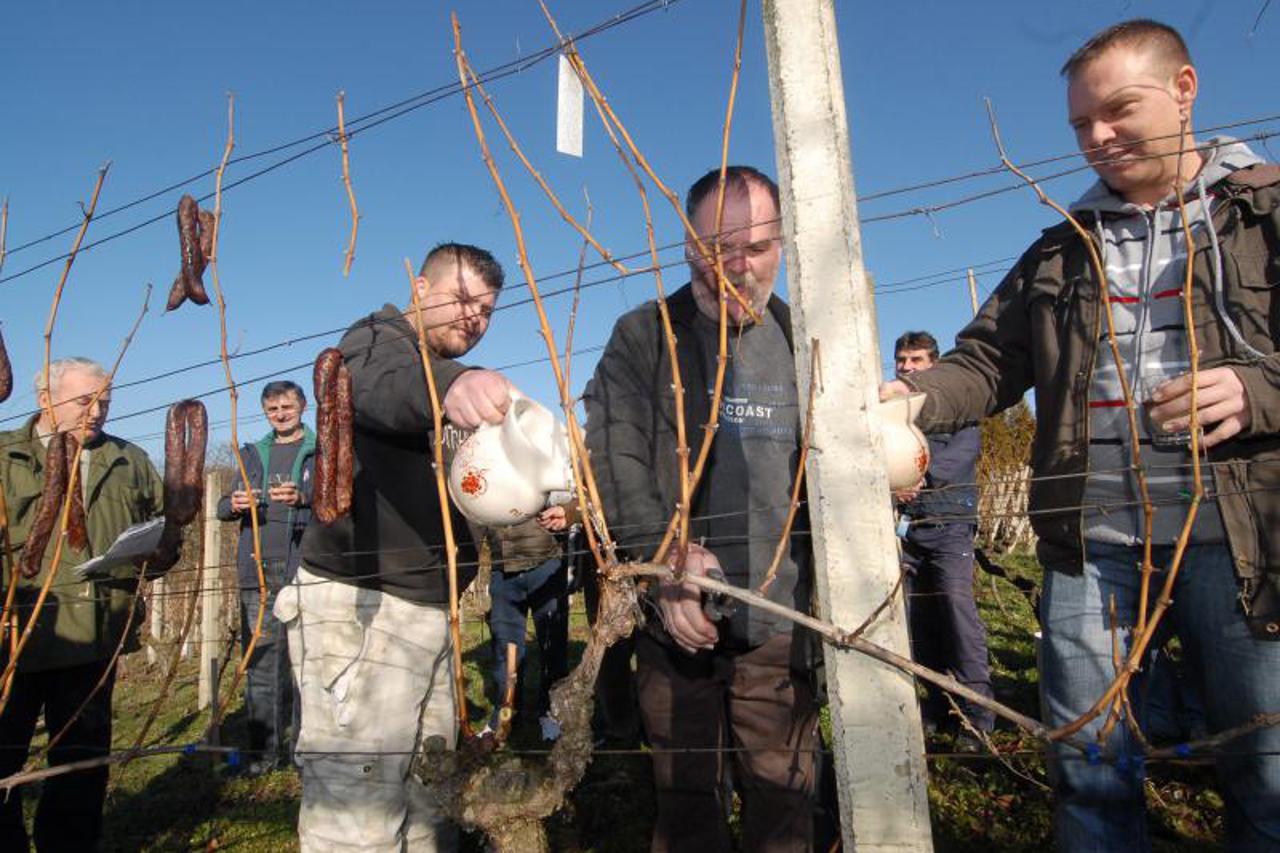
pixel 306 446
pixel 105 453
pixel 1256 187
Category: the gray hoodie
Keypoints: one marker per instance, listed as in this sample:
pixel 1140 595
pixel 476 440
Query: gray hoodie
pixel 1145 254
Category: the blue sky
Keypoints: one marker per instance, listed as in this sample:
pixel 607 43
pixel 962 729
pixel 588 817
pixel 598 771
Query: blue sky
pixel 143 85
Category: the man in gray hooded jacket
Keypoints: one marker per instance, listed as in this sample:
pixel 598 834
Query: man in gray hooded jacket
pixel 1054 326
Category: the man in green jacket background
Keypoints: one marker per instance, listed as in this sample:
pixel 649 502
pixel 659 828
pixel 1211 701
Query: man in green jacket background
pixel 279 466
pixel 81 624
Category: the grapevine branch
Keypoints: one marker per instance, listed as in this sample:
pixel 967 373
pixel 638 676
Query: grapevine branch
pixel 506 711
pixel 1146 631
pixel 9 571
pixel 1146 624
pixel 610 121
pixel 588 494
pixel 19 643
pixel 62 282
pixel 583 230
pixel 784 540
pixel 602 103
pixel 669 339
pixel 577 292
pixel 233 394
pixel 442 492
pixel 350 254
pixel 4 231
pixel 842 639
pixel 984 738
pixel 137 592
pixel 188 619
pixel 689 480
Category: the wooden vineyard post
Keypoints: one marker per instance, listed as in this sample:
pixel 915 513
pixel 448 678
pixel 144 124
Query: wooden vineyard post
pixel 878 743
pixel 157 618
pixel 211 596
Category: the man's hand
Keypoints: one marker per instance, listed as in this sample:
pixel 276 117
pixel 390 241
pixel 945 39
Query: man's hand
pixel 681 604
pixel 477 397
pixel 894 388
pixel 552 519
pixel 285 493
pixel 1221 399
pixel 906 496
pixel 240 500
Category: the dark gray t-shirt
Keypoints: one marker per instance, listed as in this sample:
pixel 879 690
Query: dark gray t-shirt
pixel 743 502
pixel 277 528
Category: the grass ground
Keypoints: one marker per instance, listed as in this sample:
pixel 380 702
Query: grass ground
pixel 181 803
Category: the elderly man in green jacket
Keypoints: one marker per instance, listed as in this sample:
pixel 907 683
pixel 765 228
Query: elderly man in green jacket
pixel 81 623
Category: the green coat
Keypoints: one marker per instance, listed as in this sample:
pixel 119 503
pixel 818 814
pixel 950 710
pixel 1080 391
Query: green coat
pixel 80 622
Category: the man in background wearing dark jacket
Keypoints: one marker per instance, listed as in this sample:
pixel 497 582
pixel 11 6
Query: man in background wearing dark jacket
pixel 367 614
pixel 279 466
pixel 1130 93
pixel 937 552
pixel 530 576
pixel 744 679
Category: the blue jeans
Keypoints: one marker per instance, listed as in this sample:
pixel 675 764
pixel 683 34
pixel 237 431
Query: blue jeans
pixel 543 591
pixel 1100 806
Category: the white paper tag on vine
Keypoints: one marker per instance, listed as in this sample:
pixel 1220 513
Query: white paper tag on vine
pixel 569 111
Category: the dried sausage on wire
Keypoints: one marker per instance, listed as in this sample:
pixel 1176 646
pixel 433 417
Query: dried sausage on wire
pixel 334 449
pixel 55 487
pixel 195 239
pixel 6 373
pixel 186 436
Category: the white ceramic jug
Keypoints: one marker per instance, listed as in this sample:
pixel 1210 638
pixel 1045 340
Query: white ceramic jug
pixel 503 473
pixel 906 451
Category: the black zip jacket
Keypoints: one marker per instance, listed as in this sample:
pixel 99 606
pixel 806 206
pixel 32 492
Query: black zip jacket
pixel 393 538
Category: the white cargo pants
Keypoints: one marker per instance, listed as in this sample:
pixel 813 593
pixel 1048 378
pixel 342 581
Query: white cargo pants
pixel 375 679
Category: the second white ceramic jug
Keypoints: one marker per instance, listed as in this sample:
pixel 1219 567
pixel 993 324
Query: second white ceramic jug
pixel 906 450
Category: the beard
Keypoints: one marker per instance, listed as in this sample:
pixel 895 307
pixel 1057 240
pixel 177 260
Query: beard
pixel 707 293
pixel 452 343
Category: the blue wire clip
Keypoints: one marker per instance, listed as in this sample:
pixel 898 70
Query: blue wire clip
pixel 1092 753
pixel 233 758
pixel 1182 750
pixel 190 749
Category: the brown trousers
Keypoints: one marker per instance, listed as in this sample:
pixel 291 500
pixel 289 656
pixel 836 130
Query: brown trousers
pixel 748 707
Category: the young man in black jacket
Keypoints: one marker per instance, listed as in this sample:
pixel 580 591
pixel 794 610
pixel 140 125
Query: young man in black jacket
pixel 279 466
pixel 368 613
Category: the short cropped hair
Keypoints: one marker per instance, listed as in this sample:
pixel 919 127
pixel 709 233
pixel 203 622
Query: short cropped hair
pixel 281 387
pixel 917 340
pixel 735 177
pixel 1162 40
pixel 60 367
pixel 481 262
